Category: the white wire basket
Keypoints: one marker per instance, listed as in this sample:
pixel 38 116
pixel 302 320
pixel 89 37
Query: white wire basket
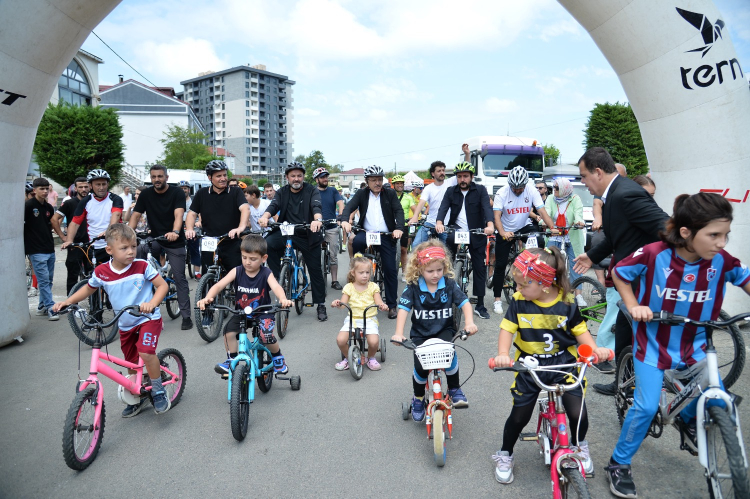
pixel 435 354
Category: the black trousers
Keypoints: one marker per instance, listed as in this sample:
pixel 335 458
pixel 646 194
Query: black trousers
pixel 310 252
pixel 176 258
pixel 388 259
pixel 502 250
pixel 73 263
pixel 476 250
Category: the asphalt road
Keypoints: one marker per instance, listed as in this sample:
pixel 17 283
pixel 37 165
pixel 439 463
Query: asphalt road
pixel 335 437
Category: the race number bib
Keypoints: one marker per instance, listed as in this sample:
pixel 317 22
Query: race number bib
pixel 373 239
pixel 411 230
pixel 531 242
pixel 209 244
pixel 461 237
pixel 287 230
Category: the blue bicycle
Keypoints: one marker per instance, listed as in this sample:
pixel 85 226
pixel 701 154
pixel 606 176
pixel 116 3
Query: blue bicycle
pixel 253 362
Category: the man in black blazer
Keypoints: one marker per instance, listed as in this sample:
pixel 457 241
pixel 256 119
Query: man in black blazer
pixel 470 208
pixel 630 219
pixel 379 211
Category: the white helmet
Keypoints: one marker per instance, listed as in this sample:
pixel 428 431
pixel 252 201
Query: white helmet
pixel 373 171
pixel 418 184
pixel 518 177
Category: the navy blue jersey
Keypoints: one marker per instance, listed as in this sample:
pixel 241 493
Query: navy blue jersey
pixel 252 291
pixel 431 312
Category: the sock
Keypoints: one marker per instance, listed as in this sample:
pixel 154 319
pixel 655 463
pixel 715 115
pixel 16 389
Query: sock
pixel 419 398
pixel 277 354
pixel 480 301
pixel 156 385
pixel 233 355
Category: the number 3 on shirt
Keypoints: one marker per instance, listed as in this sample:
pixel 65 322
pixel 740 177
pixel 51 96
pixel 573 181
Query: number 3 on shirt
pixel 548 341
pixel 373 239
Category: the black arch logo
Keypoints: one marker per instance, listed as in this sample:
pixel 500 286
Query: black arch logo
pixel 711 33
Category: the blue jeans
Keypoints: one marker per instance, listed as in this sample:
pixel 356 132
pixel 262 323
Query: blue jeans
pixel 569 252
pixel 648 383
pixel 423 234
pixel 606 336
pixel 44 268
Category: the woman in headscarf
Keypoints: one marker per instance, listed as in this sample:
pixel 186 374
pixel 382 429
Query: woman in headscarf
pixel 566 210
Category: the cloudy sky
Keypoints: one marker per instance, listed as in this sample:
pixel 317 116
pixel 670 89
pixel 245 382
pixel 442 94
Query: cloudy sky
pixel 390 82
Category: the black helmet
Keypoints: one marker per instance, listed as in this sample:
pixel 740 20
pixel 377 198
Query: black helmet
pixel 294 166
pixel 215 165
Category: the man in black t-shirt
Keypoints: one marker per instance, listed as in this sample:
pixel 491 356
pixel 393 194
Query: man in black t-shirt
pixel 223 210
pixel 39 245
pixel 164 205
pixel 75 255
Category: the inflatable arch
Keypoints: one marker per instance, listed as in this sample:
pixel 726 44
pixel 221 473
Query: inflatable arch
pixel 674 59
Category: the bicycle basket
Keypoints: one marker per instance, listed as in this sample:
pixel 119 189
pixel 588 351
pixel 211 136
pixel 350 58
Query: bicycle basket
pixel 435 355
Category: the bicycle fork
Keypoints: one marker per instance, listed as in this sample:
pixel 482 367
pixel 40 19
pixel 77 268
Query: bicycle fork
pixel 439 403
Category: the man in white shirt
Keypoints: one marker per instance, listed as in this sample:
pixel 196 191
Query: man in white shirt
pixel 127 197
pixel 512 207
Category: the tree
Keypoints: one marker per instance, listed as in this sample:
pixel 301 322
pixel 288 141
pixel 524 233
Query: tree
pixel 552 154
pixel 262 182
pixel 181 147
pixel 72 140
pixel 200 161
pixel 615 128
pixel 312 161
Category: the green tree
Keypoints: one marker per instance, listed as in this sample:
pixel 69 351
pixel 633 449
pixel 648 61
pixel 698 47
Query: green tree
pixel 181 147
pixel 312 161
pixel 200 161
pixel 262 182
pixel 615 128
pixel 552 154
pixel 72 140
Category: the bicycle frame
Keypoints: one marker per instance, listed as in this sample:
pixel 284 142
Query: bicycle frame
pixel 290 256
pixel 248 354
pixel 439 402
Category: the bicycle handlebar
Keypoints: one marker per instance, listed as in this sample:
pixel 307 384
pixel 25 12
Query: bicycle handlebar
pixel 678 320
pixel 90 321
pixel 411 346
pixel 453 229
pixel 357 228
pixel 84 244
pixel 266 309
pixel 364 314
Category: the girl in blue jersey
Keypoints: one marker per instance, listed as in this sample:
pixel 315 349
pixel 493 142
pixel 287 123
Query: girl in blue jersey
pixel 542 321
pixel 430 294
pixel 686 274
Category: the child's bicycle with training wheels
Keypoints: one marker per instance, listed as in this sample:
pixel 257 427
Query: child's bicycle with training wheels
pixel 170 301
pixel 209 322
pixel 717 438
pixel 566 463
pixel 436 356
pixel 253 362
pixel 83 430
pixel 358 343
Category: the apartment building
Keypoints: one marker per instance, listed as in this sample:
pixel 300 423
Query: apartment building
pixel 247 111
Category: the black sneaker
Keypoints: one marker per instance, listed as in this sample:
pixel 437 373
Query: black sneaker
pixel 336 285
pixel 187 324
pixel 482 312
pixel 133 410
pixel 605 367
pixel 322 315
pixel 608 389
pixel 161 402
pixel 689 431
pixel 620 479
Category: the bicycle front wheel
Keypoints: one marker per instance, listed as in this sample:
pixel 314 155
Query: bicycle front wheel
pixel 239 404
pixel 509 284
pixel 574 484
pixel 282 316
pixel 625 380
pixel 81 437
pixel 173 307
pixel 438 437
pixel 208 322
pixel 730 350
pixel 595 296
pixel 727 475
pixel 299 303
pixel 92 306
pixel 457 312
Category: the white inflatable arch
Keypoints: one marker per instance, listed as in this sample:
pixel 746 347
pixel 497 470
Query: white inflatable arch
pixel 674 60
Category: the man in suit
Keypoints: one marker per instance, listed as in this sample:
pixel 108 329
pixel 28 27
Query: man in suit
pixel 469 206
pixel 379 211
pixel 630 219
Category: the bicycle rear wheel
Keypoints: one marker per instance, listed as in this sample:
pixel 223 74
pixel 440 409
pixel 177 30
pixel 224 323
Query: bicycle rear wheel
pixel 509 284
pixel 239 404
pixel 595 295
pixel 81 438
pixel 727 475
pixel 92 306
pixel 625 379
pixel 730 349
pixel 190 270
pixel 208 322
pixel 574 485
pixel 264 380
pixel 172 359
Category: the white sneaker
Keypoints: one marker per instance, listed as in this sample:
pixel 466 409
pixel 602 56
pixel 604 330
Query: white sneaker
pixel 504 468
pixel 588 464
pixel 33 292
pixel 581 301
pixel 498 307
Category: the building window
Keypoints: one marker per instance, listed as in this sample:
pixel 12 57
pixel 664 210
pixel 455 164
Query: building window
pixel 247 94
pixel 248 160
pixel 247 122
pixel 74 87
pixel 222 87
pixel 247 103
pixel 247 75
pixel 222 107
pixel 247 131
pixel 222 115
pixel 222 96
pixel 247 113
pixel 247 84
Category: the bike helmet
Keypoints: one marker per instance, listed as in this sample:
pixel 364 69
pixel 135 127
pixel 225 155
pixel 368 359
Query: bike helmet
pixel 373 171
pixel 466 167
pixel 398 178
pixel 215 165
pixel 183 183
pixel 242 185
pixel 294 166
pixel 97 174
pixel 518 177
pixel 319 172
pixel 29 187
pixel 418 184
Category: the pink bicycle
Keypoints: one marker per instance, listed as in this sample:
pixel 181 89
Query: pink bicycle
pixel 566 465
pixel 84 424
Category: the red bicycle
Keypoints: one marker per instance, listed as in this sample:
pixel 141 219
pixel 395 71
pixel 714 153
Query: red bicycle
pixel 566 464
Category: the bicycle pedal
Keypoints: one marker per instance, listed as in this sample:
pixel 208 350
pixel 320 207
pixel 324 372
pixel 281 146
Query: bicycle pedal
pixel 309 304
pixel 529 437
pixel 280 377
pixel 590 475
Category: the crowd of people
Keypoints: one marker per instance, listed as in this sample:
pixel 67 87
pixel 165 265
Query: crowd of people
pixel 542 320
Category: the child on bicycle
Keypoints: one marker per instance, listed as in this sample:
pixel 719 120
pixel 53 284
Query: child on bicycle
pixel 253 284
pixel 127 281
pixel 686 273
pixel 360 293
pixel 542 321
pixel 430 294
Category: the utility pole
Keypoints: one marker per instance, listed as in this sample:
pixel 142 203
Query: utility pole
pixel 394 167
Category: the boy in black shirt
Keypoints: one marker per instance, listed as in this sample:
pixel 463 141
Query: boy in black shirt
pixel 39 245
